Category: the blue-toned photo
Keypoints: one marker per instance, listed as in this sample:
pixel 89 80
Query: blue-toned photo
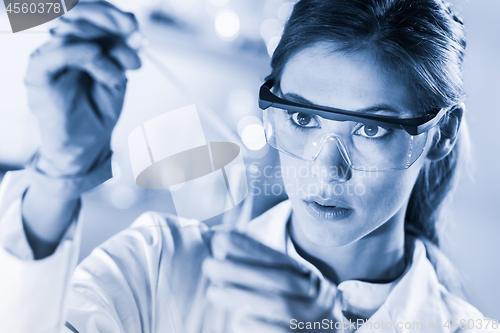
pixel 249 166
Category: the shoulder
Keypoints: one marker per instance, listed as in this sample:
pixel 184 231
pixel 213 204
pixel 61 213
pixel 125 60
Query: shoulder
pixel 464 314
pixel 457 307
pixel 420 296
pixel 452 303
pixel 449 283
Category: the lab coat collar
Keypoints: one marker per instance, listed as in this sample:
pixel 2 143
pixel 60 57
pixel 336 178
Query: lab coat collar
pixel 416 298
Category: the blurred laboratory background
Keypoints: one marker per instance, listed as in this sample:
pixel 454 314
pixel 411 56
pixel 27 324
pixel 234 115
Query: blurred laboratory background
pixel 216 53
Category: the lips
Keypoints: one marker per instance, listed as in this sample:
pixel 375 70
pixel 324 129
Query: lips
pixel 327 209
pixel 328 202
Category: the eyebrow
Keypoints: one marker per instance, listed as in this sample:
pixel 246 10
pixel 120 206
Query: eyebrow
pixel 376 108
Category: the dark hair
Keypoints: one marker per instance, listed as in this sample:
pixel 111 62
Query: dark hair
pixel 421 43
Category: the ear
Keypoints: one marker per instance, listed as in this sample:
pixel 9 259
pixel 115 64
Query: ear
pixel 447 134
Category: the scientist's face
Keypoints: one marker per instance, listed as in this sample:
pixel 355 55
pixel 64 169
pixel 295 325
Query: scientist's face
pixel 334 205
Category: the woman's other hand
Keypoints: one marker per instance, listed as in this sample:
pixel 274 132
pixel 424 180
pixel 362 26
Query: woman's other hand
pixel 76 86
pixel 265 289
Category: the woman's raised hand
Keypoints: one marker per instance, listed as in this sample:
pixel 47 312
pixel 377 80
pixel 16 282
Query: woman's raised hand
pixel 264 289
pixel 76 86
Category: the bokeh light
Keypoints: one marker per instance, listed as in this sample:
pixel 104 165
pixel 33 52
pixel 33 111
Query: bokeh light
pixel 123 197
pixel 245 121
pixel 253 137
pixel 227 25
pixel 285 11
pixel 272 44
pixel 271 28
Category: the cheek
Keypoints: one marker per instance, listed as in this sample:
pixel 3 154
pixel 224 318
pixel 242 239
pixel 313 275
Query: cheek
pixel 385 193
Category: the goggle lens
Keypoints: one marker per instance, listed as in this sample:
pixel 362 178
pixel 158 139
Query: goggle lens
pixel 363 146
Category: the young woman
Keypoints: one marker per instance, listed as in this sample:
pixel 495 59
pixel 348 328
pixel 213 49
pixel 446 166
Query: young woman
pixel 364 95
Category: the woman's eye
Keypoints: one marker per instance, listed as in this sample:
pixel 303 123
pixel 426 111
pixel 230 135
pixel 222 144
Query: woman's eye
pixel 371 131
pixel 304 120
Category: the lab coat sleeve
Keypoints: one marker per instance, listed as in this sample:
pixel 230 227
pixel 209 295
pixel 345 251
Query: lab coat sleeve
pixel 32 291
pixel 115 289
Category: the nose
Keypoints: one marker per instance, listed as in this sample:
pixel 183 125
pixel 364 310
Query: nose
pixel 330 165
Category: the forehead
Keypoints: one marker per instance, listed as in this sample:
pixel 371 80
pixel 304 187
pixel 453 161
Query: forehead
pixel 349 81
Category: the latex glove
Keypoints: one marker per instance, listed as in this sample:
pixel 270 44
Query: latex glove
pixel 76 86
pixel 263 288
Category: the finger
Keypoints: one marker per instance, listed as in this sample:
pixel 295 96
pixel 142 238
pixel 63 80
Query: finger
pixel 110 102
pixel 79 28
pixel 119 50
pixel 241 247
pixel 105 16
pixel 125 56
pixel 45 64
pixel 267 306
pixel 260 278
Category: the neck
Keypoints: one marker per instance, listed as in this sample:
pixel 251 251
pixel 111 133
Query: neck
pixel 378 257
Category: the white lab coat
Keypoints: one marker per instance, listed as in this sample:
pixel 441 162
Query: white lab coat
pixel 148 279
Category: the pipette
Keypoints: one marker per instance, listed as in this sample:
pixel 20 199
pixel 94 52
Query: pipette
pixel 235 219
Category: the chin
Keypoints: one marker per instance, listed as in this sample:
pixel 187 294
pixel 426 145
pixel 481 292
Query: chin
pixel 329 233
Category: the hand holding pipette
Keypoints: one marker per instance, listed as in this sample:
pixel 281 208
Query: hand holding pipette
pixel 75 86
pixel 121 49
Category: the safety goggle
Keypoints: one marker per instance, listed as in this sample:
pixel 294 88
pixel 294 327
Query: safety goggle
pixel 401 145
